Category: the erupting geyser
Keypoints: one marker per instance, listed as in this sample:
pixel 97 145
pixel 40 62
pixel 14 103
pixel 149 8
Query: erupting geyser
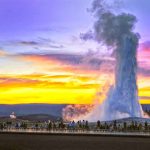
pixel 122 99
pixel 116 30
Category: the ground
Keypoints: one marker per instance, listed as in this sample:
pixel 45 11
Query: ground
pixel 66 142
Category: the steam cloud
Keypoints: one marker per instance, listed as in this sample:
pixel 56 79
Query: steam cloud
pixel 76 112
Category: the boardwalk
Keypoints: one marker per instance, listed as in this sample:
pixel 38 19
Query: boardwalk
pixel 79 132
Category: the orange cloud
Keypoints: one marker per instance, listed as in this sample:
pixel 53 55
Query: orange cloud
pixel 62 80
pixel 2 52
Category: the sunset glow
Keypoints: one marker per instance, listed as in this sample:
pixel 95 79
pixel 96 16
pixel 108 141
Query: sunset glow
pixel 53 81
pixel 44 60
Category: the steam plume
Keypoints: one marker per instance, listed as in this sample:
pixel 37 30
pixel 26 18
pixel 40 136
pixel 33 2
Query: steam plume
pixel 117 31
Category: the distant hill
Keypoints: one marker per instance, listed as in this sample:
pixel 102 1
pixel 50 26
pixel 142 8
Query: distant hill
pixel 38 117
pixel 130 120
pixel 146 107
pixel 29 109
pixel 33 117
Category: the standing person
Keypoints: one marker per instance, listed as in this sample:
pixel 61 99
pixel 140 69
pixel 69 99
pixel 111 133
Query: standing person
pixel 73 125
pixel 83 124
pixel 49 127
pixel 54 126
pixel 98 124
pixel 86 125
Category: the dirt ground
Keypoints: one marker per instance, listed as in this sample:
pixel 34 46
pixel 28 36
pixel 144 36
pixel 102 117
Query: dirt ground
pixel 66 142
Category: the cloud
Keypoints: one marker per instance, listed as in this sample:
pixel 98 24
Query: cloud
pixel 145 46
pixel 43 76
pixel 144 71
pixel 145 97
pixel 16 82
pixel 28 43
pixel 71 62
pixel 2 52
pixel 144 58
pixel 87 36
pixel 41 43
pixel 47 81
pixel 38 44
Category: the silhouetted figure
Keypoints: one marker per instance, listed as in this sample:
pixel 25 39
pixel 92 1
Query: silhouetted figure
pixel 115 125
pixel 49 126
pixel 98 124
pixel 54 126
pixel 86 125
pixel 36 126
pixel 124 126
pixel 146 125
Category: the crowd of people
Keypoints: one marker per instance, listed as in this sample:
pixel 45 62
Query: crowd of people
pixel 76 126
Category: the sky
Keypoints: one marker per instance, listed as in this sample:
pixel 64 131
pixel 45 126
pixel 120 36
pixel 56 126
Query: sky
pixel 43 59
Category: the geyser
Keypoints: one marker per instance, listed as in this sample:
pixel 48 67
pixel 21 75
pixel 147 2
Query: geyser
pixel 122 99
pixel 116 30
